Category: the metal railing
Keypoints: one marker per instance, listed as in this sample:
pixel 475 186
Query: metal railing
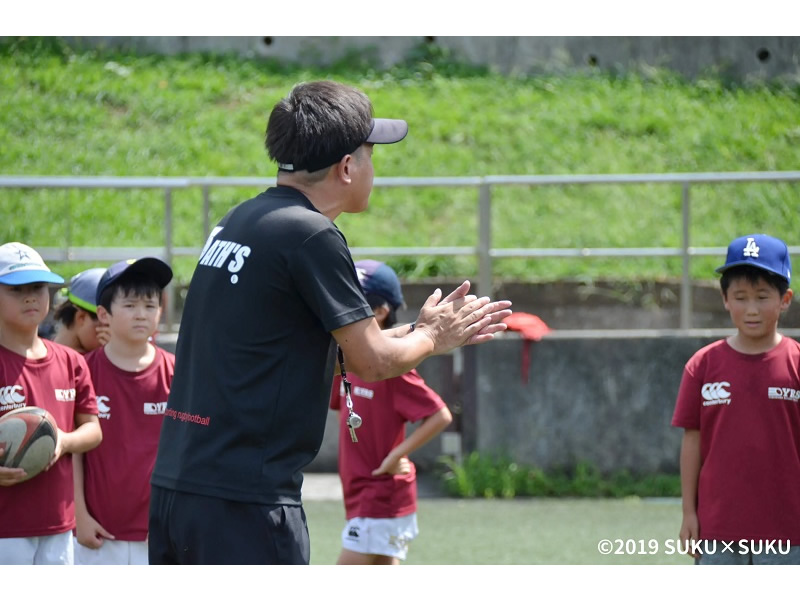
pixel 483 250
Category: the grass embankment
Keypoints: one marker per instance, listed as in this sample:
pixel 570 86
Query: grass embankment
pixel 68 112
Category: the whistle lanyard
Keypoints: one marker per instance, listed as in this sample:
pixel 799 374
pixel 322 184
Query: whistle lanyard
pixel 353 420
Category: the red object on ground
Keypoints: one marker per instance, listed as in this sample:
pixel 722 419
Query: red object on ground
pixel 532 329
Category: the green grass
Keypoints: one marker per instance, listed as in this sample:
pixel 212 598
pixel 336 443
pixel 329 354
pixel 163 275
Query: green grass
pixel 522 532
pixel 68 112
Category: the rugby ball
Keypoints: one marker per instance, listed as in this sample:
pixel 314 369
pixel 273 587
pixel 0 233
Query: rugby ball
pixel 28 439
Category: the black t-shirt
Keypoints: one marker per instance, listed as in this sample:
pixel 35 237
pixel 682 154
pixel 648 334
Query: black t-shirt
pixel 255 357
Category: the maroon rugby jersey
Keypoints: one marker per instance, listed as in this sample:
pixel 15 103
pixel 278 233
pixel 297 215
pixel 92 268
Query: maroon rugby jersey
pixel 746 408
pixel 385 406
pixel 117 473
pixel 59 383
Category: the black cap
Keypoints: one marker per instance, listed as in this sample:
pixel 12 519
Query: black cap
pixel 154 267
pixel 384 131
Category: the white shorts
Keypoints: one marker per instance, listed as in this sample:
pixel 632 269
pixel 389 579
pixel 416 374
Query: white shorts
pixel 112 552
pixel 387 537
pixel 42 550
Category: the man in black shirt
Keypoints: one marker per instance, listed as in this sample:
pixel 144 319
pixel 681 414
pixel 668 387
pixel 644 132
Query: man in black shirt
pixel 275 290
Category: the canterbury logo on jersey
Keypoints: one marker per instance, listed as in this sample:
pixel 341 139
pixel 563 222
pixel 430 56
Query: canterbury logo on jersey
pixel 11 397
pixel 716 393
pixel 103 409
pixel 782 393
pixel 215 253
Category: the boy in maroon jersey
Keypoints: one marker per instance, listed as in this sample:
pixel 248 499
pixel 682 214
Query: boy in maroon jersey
pixel 378 480
pixel 738 405
pixel 132 377
pixel 37 516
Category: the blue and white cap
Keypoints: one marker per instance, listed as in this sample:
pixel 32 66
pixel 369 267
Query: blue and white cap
pixel 760 251
pixel 21 265
pixel 380 279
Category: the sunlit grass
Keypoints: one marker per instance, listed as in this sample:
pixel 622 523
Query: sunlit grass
pixel 89 113
pixel 522 532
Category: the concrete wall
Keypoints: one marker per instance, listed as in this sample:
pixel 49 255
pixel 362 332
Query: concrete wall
pixel 608 401
pixel 742 58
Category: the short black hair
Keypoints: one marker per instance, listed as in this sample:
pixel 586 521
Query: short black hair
pixel 134 283
pixel 317 124
pixel 65 313
pixel 753 275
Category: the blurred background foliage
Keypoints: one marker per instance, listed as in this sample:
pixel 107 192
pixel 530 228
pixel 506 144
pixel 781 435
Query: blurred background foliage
pixel 92 112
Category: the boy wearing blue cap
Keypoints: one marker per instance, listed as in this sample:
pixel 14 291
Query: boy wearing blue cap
pixel 37 515
pixel 738 406
pixel 378 479
pixel 76 316
pixel 132 377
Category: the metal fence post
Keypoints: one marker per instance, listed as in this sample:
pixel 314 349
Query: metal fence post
pixel 686 279
pixel 168 257
pixel 206 212
pixel 485 240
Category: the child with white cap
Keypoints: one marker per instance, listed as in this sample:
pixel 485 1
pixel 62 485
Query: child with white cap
pixel 37 516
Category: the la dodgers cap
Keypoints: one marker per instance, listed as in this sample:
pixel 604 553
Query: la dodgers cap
pixel 384 131
pixel 380 279
pixel 21 264
pixel 154 267
pixel 761 251
pixel 82 289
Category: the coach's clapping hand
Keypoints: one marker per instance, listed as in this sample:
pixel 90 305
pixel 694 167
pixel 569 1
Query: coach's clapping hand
pixel 461 319
pixel 499 310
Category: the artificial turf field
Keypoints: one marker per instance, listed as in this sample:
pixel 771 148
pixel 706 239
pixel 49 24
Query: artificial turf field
pixel 523 532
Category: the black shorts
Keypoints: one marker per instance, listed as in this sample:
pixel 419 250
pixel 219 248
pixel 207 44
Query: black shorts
pixel 189 529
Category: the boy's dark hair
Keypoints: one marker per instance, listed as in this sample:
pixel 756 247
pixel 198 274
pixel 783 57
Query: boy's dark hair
pixel 133 283
pixel 317 124
pixel 753 275
pixel 375 301
pixel 65 313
